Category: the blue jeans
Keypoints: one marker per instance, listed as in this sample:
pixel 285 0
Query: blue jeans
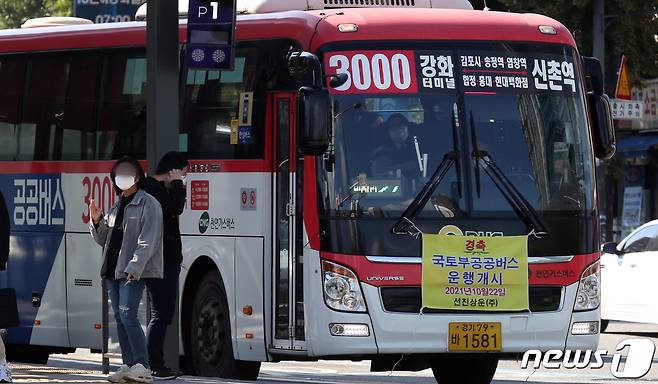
pixel 163 293
pixel 125 297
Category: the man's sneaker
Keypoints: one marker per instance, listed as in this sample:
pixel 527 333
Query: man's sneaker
pixel 5 373
pixel 120 375
pixel 164 373
pixel 140 374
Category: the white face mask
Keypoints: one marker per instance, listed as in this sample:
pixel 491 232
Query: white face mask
pixel 124 182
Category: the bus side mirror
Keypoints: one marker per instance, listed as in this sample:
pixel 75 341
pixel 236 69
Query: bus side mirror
pixel 603 128
pixel 314 120
pixel 610 248
pixel 306 69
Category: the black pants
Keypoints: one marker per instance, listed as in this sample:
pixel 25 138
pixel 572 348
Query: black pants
pixel 163 294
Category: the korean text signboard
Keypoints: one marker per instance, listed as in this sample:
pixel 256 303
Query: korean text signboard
pixel 632 213
pixel 423 71
pixel 107 11
pixel 475 273
pixel 211 34
pixel 627 110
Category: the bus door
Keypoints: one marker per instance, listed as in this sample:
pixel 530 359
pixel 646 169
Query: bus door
pixel 288 291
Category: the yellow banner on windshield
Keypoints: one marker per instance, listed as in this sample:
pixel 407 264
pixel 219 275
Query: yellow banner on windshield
pixel 475 273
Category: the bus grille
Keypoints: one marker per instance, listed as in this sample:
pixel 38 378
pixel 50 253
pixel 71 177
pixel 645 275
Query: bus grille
pixel 366 3
pixel 408 300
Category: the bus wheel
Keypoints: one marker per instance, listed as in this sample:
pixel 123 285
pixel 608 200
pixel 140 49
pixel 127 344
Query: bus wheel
pixel 464 369
pixel 209 339
pixel 604 325
pixel 27 354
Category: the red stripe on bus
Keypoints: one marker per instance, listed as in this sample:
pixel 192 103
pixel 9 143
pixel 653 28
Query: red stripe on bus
pixel 378 274
pixel 561 273
pixel 311 219
pixel 400 274
pixel 104 166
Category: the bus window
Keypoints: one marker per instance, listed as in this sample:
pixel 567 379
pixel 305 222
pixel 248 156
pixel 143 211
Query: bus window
pixel 12 76
pixel 39 129
pixel 79 125
pixel 122 118
pixel 212 99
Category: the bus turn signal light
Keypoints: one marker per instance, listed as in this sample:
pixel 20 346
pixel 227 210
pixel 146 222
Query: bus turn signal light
pixel 247 310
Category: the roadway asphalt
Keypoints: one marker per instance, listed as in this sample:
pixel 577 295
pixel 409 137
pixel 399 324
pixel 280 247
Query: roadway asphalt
pixel 83 367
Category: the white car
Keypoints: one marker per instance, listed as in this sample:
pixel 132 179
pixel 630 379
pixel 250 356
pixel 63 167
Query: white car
pixel 629 281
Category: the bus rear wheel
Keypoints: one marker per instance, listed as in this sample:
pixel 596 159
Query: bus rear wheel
pixel 27 354
pixel 209 335
pixel 464 369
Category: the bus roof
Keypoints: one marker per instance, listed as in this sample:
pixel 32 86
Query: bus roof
pixel 373 24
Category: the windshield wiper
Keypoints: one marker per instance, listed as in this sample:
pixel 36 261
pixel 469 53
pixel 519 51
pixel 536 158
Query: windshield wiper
pixel 455 149
pixel 476 155
pixel 401 225
pixel 514 197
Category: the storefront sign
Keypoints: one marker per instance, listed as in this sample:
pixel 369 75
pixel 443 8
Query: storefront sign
pixel 627 110
pixel 631 216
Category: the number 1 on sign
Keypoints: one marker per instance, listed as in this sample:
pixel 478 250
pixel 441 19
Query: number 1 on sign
pixel 215 9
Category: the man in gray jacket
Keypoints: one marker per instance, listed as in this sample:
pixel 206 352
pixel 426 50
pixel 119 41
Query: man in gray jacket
pixel 131 236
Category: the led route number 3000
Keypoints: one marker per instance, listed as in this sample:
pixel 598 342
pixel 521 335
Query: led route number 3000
pixel 374 71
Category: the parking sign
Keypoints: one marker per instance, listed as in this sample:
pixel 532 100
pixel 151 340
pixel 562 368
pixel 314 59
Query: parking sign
pixel 211 34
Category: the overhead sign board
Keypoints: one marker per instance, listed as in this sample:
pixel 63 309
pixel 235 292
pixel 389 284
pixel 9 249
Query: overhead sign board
pixel 627 110
pixel 211 34
pixel 107 11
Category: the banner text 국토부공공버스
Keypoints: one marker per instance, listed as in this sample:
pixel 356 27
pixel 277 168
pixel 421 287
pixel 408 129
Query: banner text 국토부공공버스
pixel 475 273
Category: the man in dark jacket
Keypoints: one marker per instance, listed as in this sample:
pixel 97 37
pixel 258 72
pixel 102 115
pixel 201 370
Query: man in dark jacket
pixel 168 187
pixel 4 233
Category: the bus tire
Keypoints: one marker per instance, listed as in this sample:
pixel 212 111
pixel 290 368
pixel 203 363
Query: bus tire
pixel 209 335
pixel 604 325
pixel 464 369
pixel 27 354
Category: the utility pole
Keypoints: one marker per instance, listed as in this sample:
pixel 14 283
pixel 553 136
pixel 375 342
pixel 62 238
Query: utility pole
pixel 598 51
pixel 162 111
pixel 162 115
pixel 598 31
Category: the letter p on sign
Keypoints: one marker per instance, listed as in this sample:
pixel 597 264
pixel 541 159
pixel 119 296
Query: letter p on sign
pixel 204 10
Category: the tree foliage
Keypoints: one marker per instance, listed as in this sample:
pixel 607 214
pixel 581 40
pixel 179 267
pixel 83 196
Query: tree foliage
pixel 631 28
pixel 13 13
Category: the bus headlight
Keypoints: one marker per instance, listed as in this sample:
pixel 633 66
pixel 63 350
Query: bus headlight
pixel 589 292
pixel 341 288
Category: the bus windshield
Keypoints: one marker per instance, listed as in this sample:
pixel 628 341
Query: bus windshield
pixel 517 108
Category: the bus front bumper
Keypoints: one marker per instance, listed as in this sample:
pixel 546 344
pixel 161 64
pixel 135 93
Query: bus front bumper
pixel 412 333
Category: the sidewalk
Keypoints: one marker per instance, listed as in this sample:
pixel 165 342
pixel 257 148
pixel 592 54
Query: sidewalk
pixel 54 373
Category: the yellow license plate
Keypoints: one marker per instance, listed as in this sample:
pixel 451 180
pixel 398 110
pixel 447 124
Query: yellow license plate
pixel 474 337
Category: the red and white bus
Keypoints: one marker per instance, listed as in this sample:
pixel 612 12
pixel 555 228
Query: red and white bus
pixel 289 235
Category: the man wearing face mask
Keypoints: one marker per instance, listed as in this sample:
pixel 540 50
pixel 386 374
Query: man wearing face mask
pixel 397 157
pixel 168 187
